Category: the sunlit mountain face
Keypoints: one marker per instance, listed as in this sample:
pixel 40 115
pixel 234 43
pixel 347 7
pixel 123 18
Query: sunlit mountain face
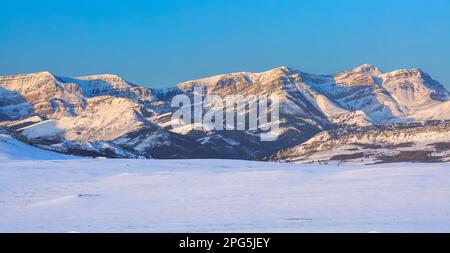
pixel 345 116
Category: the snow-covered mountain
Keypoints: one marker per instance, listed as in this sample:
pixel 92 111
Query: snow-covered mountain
pixel 364 94
pixel 227 196
pixel 374 144
pixel 100 115
pixel 104 115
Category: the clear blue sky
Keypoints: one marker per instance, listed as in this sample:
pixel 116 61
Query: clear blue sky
pixel 160 43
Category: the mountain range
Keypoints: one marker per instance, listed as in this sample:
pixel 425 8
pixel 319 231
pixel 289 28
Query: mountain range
pixel 361 115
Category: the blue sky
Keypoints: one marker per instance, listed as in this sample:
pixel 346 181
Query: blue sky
pixel 160 43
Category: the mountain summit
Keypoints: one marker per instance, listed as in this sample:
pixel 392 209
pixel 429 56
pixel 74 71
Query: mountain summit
pixel 368 70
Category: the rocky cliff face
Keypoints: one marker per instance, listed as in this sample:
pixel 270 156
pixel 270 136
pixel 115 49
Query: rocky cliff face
pixel 424 142
pixel 104 115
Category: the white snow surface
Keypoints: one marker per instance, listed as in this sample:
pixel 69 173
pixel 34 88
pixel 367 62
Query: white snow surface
pixel 10 148
pixel 102 195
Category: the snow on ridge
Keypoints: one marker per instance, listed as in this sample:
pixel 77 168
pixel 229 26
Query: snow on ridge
pixel 27 75
pixel 100 76
pixel 45 129
pixel 104 107
pixel 12 149
pixel 212 80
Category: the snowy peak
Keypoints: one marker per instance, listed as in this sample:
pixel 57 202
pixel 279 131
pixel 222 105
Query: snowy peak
pixel 428 142
pixel 237 81
pixel 51 96
pixel 12 149
pixel 110 85
pixel 364 75
pixel 414 88
pixel 367 70
pixel 42 74
pixel 397 96
pixel 102 76
pixel 112 80
pixel 407 73
pixel 416 76
pixel 360 75
pixel 107 115
pixel 93 85
pixel 28 81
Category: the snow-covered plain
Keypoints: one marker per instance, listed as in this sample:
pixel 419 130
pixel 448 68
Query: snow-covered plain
pixel 106 195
